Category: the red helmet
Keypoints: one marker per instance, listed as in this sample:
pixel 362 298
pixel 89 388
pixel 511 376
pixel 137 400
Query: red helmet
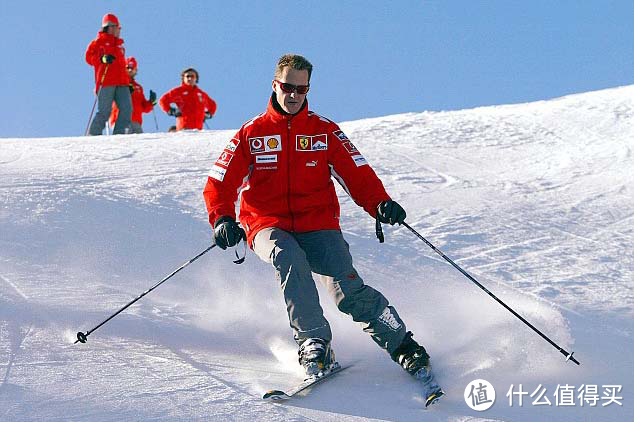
pixel 109 20
pixel 131 62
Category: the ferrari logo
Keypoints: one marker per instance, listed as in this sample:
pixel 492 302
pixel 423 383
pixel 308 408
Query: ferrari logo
pixel 304 142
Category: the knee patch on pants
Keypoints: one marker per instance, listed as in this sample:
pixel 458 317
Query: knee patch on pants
pixel 358 300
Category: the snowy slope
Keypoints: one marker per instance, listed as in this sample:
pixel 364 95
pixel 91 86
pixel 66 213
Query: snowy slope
pixel 535 200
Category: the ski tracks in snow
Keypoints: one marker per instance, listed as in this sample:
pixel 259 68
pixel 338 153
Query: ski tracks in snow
pixel 535 195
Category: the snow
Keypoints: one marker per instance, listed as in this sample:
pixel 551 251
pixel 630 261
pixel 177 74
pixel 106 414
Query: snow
pixel 534 200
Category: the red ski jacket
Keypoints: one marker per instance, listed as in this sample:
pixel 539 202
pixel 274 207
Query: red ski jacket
pixel 117 73
pixel 285 165
pixel 139 105
pixel 192 102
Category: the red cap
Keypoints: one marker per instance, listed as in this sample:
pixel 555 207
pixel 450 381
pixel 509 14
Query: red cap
pixel 131 62
pixel 109 20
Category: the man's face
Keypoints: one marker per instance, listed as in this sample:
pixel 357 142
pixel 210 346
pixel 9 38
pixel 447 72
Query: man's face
pixel 291 102
pixel 189 78
pixel 131 72
pixel 114 30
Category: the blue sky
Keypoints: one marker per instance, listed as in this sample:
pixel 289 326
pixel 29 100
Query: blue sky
pixel 371 58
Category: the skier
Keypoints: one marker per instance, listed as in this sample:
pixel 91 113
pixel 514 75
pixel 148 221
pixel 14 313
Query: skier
pixel 284 160
pixel 188 103
pixel 107 55
pixel 139 104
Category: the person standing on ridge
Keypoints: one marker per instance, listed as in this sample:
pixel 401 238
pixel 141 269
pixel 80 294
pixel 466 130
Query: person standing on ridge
pixel 139 104
pixel 285 160
pixel 107 55
pixel 188 103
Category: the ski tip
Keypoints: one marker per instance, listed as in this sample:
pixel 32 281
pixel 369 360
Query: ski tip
pixel 275 395
pixel 434 397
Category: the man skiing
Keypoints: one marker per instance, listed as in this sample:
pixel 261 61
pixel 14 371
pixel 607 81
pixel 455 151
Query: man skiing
pixel 188 103
pixel 284 160
pixel 140 105
pixel 107 55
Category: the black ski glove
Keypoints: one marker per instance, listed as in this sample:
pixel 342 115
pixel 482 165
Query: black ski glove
pixel 208 115
pixel 152 97
pixel 390 212
pixel 107 58
pixel 227 233
pixel 174 112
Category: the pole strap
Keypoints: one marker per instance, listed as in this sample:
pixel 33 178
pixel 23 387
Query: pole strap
pixel 378 229
pixel 239 259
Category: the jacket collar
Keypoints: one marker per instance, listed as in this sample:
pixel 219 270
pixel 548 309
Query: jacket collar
pixel 184 85
pixel 110 37
pixel 277 114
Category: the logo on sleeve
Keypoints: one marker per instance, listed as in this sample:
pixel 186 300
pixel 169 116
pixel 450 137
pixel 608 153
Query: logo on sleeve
pixel 232 145
pixel 217 172
pixel 311 143
pixel 349 146
pixel 225 158
pixel 339 134
pixel 270 143
pixel 359 160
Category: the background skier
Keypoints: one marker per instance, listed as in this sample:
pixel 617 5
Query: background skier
pixel 286 158
pixel 188 103
pixel 140 105
pixel 107 55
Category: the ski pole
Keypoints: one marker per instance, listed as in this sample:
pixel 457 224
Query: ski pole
pixel 103 76
pixel 83 337
pixel 155 121
pixel 508 308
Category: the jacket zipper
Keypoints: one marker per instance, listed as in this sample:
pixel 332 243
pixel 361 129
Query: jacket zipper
pixel 288 174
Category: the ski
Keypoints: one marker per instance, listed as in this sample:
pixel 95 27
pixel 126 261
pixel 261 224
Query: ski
pixel 276 395
pixel 431 390
pixel 434 397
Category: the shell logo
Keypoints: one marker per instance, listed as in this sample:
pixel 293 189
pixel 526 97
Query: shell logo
pixel 272 143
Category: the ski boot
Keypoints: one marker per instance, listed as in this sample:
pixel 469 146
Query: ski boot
pixel 414 359
pixel 316 356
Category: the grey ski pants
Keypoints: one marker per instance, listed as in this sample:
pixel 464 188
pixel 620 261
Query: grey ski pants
pixel 325 252
pixel 120 94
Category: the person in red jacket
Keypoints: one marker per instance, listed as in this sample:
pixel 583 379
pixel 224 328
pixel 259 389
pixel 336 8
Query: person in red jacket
pixel 107 55
pixel 285 160
pixel 139 104
pixel 189 104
